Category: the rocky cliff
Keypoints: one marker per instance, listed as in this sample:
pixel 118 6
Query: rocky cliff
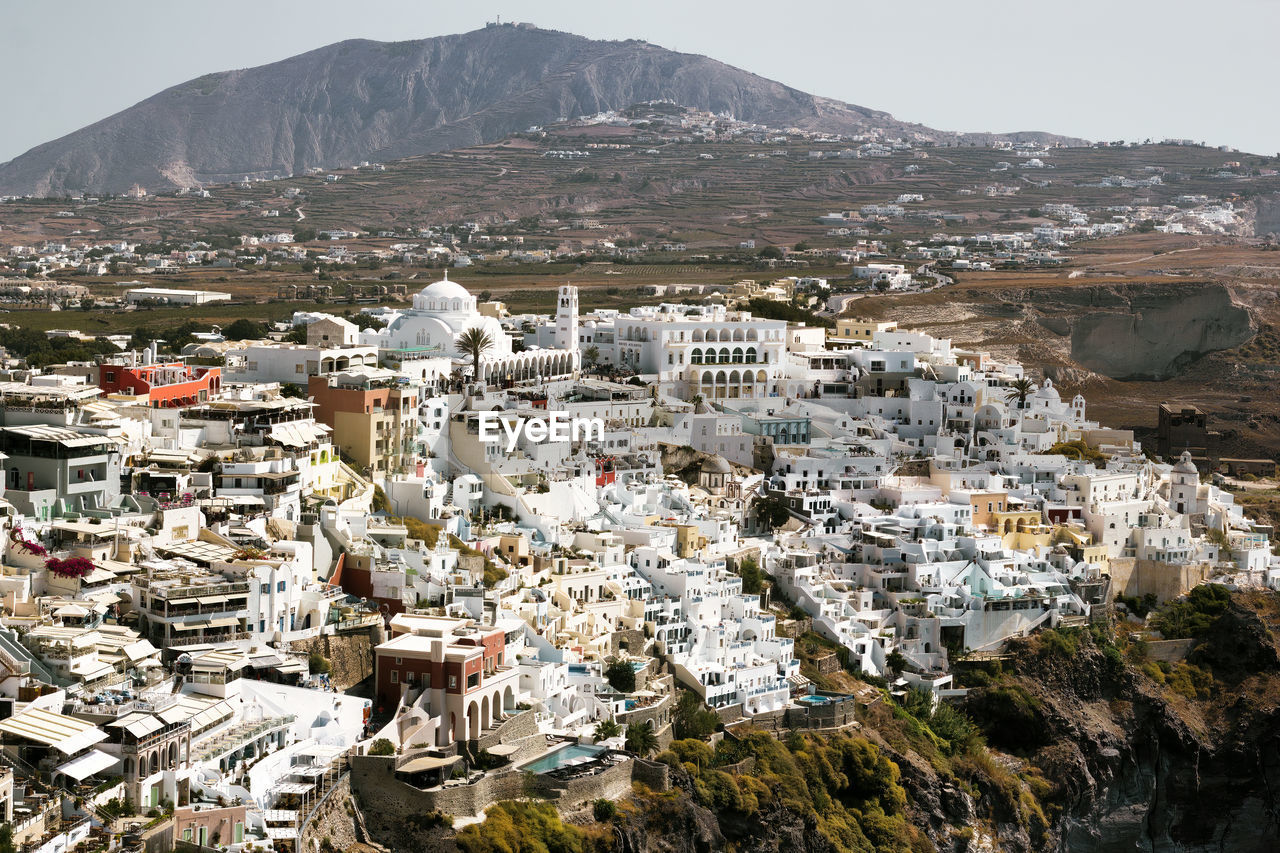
pixel 365 100
pixel 1088 743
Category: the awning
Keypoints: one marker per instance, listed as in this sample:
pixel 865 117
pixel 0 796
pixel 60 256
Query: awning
pixel 66 734
pixel 309 771
pixel 139 649
pixel 503 750
pixel 212 599
pixel 282 833
pixel 138 725
pixel 293 788
pixel 223 622
pixel 428 762
pixel 247 500
pixel 93 761
pixel 190 626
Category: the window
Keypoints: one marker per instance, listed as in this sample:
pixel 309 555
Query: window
pixel 453 682
pixel 399 661
pixel 395 676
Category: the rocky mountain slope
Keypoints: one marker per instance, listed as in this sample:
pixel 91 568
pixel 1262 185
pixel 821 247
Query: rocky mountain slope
pixel 365 100
pixel 1087 739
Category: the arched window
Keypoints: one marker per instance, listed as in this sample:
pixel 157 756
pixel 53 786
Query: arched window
pixel 724 355
pixel 737 355
pixel 695 357
pixel 751 355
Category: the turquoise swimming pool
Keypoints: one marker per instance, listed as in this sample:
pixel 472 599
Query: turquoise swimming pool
pixel 572 754
pixel 812 699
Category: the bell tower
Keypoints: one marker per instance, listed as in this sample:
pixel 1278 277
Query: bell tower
pixel 567 318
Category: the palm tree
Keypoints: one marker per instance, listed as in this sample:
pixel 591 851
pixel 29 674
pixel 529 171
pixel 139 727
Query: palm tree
pixel 1020 390
pixel 606 729
pixel 590 356
pixel 641 739
pixel 475 342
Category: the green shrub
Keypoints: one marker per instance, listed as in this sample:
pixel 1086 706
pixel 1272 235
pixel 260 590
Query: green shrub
pixel 603 810
pixel 382 746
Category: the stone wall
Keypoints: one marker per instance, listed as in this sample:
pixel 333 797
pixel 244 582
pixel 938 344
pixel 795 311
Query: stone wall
pixel 522 725
pixel 633 640
pixel 350 655
pixel 159 838
pixel 652 774
pixel 1165 580
pixel 833 715
pixel 1169 651
pixel 332 819
pixel 743 767
pixel 388 803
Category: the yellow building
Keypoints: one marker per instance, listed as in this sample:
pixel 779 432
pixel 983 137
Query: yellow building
pixel 1021 529
pixel 860 330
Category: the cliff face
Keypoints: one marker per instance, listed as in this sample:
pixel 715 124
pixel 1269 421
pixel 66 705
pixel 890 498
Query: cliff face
pixel 365 100
pixel 1119 762
pixel 1142 767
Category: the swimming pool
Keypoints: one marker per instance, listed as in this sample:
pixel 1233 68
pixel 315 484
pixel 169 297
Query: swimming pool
pixel 812 699
pixel 574 753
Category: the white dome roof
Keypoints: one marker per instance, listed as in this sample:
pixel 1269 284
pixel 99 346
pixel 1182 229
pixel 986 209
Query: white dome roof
pixel 445 289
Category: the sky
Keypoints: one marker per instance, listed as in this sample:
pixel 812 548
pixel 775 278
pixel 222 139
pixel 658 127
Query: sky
pixel 1099 69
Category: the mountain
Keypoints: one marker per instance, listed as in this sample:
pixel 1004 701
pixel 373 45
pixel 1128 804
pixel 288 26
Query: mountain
pixel 365 100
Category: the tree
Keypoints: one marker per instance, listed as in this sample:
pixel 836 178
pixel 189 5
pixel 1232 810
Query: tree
pixel 896 661
pixel 244 329
pixel 382 746
pixel 770 253
pixel 802 246
pixel 292 389
pixel 771 511
pixel 692 718
pixel 475 342
pixel 590 356
pixel 1019 389
pixel 641 739
pixel 606 729
pixel 752 577
pixel 621 676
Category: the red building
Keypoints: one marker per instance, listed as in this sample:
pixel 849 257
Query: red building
pixel 460 665
pixel 166 386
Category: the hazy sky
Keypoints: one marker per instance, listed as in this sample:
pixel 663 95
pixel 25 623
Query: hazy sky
pixel 1101 69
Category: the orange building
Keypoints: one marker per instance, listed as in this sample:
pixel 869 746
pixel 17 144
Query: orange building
pixel 166 386
pixel 374 421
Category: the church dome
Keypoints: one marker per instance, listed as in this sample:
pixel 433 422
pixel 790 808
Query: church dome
pixel 1047 391
pixel 444 297
pixel 445 289
pixel 715 465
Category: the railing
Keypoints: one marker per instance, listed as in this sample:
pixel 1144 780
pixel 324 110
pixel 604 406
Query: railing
pixel 214 638
pixel 238 736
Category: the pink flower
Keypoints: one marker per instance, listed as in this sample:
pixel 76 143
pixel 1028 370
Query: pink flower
pixel 72 567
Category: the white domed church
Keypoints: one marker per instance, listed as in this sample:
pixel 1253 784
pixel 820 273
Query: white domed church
pixel 444 310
